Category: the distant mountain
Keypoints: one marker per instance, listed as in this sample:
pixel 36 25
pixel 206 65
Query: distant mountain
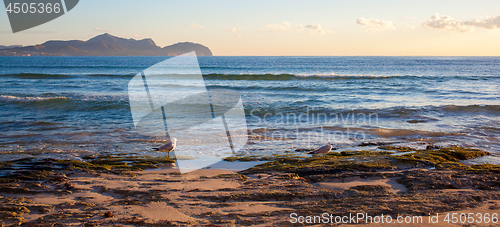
pixel 2 47
pixel 105 45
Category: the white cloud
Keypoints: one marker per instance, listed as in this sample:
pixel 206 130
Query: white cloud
pixel 284 26
pixel 194 25
pixel 410 26
pixel 488 23
pixel 233 29
pixel 100 29
pixel 450 24
pixel 314 28
pixel 446 23
pixel 376 25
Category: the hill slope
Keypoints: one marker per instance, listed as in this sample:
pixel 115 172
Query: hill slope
pixel 106 45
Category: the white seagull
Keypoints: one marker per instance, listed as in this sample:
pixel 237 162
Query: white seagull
pixel 169 147
pixel 323 150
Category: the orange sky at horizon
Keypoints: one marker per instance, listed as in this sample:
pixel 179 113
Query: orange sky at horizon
pixel 285 28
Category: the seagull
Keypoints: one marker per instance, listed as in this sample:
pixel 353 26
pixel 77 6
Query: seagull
pixel 169 147
pixel 323 150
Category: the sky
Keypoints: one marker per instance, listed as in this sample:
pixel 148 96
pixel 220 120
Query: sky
pixel 285 28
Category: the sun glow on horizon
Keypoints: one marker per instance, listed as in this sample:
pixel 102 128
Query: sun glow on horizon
pixel 292 28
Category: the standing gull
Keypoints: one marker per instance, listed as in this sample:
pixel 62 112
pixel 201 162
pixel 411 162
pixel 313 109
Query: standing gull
pixel 323 150
pixel 169 147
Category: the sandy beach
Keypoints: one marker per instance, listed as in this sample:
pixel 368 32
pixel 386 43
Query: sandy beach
pixel 338 184
pixel 238 113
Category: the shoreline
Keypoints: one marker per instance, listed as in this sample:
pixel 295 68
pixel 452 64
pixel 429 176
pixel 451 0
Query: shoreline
pixel 106 192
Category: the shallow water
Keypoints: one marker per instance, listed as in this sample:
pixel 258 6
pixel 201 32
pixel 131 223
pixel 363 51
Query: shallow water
pixel 69 107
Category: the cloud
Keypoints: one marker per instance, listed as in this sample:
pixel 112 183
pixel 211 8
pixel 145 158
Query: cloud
pixel 284 26
pixel 488 23
pixel 410 26
pixel 450 24
pixel 446 23
pixel 314 28
pixel 233 29
pixel 194 25
pixel 375 25
pixel 100 29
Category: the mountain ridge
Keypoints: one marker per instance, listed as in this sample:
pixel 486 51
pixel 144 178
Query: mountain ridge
pixel 106 45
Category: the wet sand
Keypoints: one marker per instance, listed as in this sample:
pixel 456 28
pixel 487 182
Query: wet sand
pixel 262 196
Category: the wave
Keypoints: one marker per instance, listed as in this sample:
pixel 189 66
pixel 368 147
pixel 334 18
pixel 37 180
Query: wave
pixel 111 75
pixel 394 132
pixel 37 125
pixel 61 76
pixel 409 113
pixel 298 107
pixel 256 77
pixel 379 132
pixel 491 109
pixel 37 76
pixel 248 77
pixel 60 103
pixel 284 77
pixel 335 76
pixel 10 98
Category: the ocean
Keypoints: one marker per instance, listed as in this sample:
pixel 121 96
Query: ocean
pixel 71 107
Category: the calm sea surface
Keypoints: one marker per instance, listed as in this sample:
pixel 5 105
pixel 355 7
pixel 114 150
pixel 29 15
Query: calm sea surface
pixel 69 107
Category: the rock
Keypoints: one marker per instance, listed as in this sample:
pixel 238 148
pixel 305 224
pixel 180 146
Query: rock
pixel 69 186
pixel 108 214
pixel 364 144
pixel 495 207
pixel 433 147
pixel 60 178
pixel 416 121
pixel 304 150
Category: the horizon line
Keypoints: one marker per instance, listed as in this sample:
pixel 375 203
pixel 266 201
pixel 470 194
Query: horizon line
pixel 274 56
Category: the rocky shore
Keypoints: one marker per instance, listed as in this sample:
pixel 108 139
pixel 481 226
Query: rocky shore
pixel 131 191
